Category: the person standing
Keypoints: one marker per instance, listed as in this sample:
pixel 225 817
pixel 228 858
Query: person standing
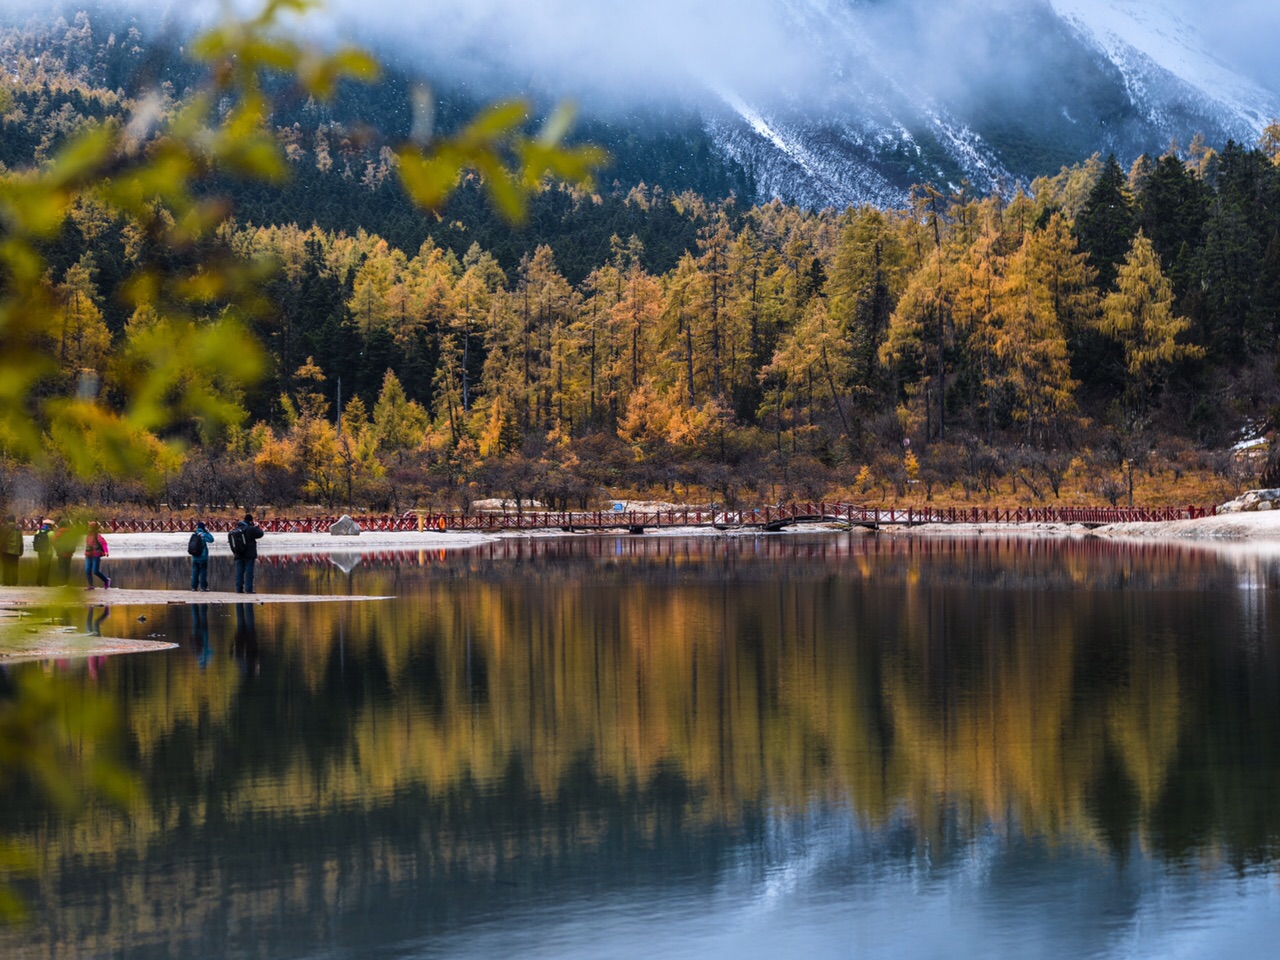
pixel 65 541
pixel 198 547
pixel 244 547
pixel 10 551
pixel 43 545
pixel 95 548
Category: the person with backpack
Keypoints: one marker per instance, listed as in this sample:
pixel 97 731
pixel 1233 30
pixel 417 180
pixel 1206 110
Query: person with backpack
pixel 42 543
pixel 65 541
pixel 95 548
pixel 198 548
pixel 244 547
pixel 10 550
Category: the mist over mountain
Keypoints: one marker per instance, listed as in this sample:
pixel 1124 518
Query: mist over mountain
pixel 848 101
pixel 833 102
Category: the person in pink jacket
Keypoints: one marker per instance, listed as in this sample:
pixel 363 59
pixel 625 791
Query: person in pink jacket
pixel 95 548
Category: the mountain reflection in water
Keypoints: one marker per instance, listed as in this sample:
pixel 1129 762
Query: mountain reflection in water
pixel 546 745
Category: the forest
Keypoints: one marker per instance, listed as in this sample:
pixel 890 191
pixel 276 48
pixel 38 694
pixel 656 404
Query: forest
pixel 1104 334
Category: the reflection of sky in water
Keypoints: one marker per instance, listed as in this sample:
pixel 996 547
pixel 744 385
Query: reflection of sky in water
pixel 835 892
pixel 1257 577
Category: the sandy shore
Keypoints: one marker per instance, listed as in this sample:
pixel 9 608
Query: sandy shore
pixel 1261 527
pixel 23 637
pixel 1252 534
pixel 17 598
pixel 137 545
pixel 1259 530
pixel 69 644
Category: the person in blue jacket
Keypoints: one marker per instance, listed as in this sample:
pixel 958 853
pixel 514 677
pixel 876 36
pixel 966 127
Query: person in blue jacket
pixel 200 561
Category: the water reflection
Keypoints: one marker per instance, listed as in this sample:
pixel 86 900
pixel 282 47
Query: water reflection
pixel 684 729
pixel 93 618
pixel 200 634
pixel 245 646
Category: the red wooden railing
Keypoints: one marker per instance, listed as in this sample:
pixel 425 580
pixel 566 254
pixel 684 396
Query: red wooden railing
pixel 771 516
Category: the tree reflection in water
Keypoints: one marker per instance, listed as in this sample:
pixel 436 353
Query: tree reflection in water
pixel 536 718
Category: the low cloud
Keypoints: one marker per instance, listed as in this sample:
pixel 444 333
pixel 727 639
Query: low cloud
pixel 659 48
pixel 1245 34
pixel 787 48
pixel 622 51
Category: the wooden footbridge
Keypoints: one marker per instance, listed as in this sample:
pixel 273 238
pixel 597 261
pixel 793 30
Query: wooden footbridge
pixel 769 518
pixel 775 518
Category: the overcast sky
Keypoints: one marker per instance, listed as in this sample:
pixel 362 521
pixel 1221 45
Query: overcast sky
pixel 664 46
pixel 662 42
pixel 1246 33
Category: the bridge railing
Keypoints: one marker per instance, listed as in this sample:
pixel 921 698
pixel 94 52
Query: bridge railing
pixel 385 522
pixel 804 511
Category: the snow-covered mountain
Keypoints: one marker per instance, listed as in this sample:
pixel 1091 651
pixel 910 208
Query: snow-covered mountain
pixel 847 101
pixel 1161 57
pixel 1072 77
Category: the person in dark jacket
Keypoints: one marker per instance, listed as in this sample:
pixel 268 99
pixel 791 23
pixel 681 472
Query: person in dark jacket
pixel 42 543
pixel 10 550
pixel 244 546
pixel 200 561
pixel 65 541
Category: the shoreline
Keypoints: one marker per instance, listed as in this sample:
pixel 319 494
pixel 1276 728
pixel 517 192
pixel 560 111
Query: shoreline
pixel 1257 531
pixel 1255 534
pixel 1260 528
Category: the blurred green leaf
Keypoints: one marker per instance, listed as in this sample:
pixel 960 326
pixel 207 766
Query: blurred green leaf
pixel 356 64
pixel 557 125
pixel 83 157
pixel 428 180
pixel 153 173
pixel 495 121
pixel 186 368
pixel 574 163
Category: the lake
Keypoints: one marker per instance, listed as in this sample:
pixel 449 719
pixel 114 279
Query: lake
pixel 814 746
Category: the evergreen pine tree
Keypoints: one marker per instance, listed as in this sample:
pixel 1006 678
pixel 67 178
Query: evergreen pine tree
pixel 1106 224
pixel 1227 278
pixel 1171 210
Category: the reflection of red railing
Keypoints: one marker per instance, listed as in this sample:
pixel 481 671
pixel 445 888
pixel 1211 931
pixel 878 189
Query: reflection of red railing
pixel 774 517
pixel 715 549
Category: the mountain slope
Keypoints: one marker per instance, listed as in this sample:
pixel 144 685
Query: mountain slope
pixel 1067 79
pixel 818 102
pixel 1151 44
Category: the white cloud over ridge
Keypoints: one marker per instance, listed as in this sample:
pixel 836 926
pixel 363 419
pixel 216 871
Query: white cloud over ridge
pixel 660 46
pixel 655 49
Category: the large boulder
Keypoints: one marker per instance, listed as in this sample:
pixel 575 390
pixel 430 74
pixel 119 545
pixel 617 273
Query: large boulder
pixel 345 527
pixel 1252 501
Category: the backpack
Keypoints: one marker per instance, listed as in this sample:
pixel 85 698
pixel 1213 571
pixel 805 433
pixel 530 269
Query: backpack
pixel 41 542
pixel 195 545
pixel 239 542
pixel 64 541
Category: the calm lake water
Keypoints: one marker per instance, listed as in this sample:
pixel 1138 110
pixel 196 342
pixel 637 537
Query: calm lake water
pixel 641 747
